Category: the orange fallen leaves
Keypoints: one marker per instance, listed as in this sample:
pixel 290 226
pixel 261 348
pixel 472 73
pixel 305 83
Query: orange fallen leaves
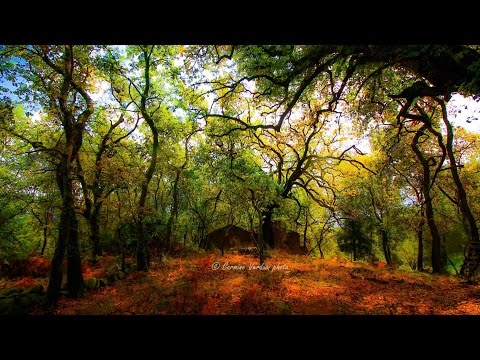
pixel 309 286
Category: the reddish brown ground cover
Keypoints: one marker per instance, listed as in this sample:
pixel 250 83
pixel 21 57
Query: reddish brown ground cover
pixel 299 285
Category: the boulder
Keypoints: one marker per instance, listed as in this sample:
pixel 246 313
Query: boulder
pixel 36 299
pixel 251 250
pixel 231 236
pixel 37 289
pixel 285 239
pixel 11 291
pixel 25 302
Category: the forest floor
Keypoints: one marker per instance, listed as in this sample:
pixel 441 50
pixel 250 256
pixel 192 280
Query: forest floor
pixel 290 284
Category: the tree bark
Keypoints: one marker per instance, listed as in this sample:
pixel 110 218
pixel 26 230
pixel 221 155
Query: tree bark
pixel 92 209
pixel 267 227
pixel 67 239
pixel 386 247
pixel 321 252
pixel 378 211
pixel 45 225
pixel 305 231
pixel 44 240
pixel 462 195
pixel 95 231
pixel 68 231
pixel 142 251
pixel 354 244
pixel 56 273
pixel 437 265
pixel 174 212
pixel 420 243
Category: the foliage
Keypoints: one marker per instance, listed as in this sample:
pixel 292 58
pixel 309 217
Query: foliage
pixel 183 140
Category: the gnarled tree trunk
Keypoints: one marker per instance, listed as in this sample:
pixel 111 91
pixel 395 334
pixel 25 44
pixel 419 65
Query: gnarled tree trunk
pixel 386 247
pixel 462 195
pixel 142 251
pixel 267 227
pixel 437 265
pixel 68 231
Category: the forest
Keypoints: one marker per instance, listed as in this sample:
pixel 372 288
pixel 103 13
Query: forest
pixel 239 179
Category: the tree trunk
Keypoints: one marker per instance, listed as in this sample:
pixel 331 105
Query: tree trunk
pixel 443 251
pixel 92 208
pixel 305 232
pixel 436 240
pixel 56 273
pixel 420 244
pixel 261 242
pixel 174 212
pixel 437 265
pixel 95 232
pixel 142 251
pixel 141 246
pixel 74 265
pixel 67 239
pixel 45 229
pixel 320 249
pixel 464 206
pixel 73 124
pixel 354 246
pixel 267 227
pixel 371 242
pixel 386 247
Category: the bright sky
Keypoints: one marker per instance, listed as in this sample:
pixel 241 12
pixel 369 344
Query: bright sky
pixel 469 109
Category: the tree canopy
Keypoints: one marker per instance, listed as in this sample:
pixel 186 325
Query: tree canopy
pixel 139 150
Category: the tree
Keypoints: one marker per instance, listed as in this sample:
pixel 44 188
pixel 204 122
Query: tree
pixel 147 94
pixel 61 75
pixel 98 186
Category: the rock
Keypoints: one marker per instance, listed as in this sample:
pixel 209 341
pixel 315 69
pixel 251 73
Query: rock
pixel 12 291
pixel 37 289
pixel 249 251
pixel 91 284
pixel 24 302
pixel 36 299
